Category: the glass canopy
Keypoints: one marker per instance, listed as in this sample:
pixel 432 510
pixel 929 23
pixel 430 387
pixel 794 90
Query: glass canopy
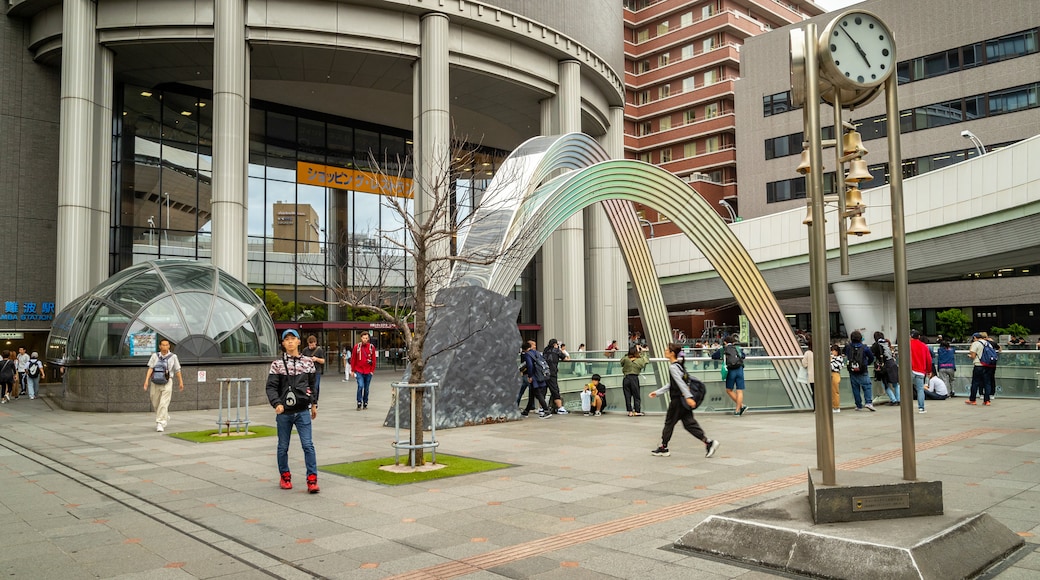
pixel 205 313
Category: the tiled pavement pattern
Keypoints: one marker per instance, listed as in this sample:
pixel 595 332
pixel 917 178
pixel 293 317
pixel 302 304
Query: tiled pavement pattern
pixel 104 496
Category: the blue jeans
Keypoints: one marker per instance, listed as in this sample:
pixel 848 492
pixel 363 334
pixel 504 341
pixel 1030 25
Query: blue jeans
pixel 302 422
pixel 919 389
pixel 735 379
pixel 363 381
pixel 861 382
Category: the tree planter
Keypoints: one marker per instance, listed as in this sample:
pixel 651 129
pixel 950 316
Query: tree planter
pixel 415 450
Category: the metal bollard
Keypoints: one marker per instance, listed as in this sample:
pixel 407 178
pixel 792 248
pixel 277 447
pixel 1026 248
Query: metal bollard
pixel 410 444
pixel 240 423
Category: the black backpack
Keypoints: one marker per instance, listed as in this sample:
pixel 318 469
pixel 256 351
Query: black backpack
pixel 541 368
pixel 33 370
pixel 697 388
pixel 7 371
pixel 855 364
pixel 733 358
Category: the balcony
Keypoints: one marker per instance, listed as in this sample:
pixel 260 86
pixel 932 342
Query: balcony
pixel 684 67
pixel 722 123
pixel 679 101
pixel 726 21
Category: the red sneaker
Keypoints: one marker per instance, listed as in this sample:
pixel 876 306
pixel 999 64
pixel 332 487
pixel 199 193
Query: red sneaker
pixel 312 484
pixel 970 403
pixel 986 403
pixel 286 482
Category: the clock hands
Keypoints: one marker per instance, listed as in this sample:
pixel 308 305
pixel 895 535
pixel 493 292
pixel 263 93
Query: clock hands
pixel 858 47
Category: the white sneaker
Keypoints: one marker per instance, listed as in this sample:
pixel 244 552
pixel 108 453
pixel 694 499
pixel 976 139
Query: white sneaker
pixel 837 410
pixel 159 427
pixel 711 448
pixel 562 411
pixel 919 411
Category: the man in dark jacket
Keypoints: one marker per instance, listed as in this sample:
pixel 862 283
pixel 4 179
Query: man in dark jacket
pixel 553 355
pixel 858 359
pixel 291 391
pixel 536 376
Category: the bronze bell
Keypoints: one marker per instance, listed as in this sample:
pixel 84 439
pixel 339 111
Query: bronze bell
pixel 803 166
pixel 858 172
pixel 808 216
pixel 852 142
pixel 858 226
pixel 853 198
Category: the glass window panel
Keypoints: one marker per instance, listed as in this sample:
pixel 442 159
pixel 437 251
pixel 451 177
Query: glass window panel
pixel 233 290
pixel 935 65
pixel 264 333
pixel 104 334
pixel 971 55
pixel 281 129
pixel 258 223
pixel 242 341
pixel 257 130
pixel 226 317
pixel 281 163
pixel 340 139
pixel 367 147
pixel 311 136
pixel 781 147
pixel 162 316
pixel 143 108
pixel 366 219
pixel 903 72
pixel 196 309
pixel 974 107
pixel 133 294
pixel 188 277
pixel 394 147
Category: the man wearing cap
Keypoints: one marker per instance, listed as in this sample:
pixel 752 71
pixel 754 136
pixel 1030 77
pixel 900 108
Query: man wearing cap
pixel 979 376
pixel 291 391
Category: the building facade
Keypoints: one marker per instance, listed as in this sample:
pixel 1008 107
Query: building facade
pixel 245 133
pixel 682 60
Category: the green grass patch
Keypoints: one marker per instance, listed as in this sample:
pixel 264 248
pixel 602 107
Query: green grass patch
pixel 454 465
pixel 210 435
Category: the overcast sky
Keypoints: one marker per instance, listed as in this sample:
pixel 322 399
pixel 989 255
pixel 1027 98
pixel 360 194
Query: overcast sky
pixel 830 5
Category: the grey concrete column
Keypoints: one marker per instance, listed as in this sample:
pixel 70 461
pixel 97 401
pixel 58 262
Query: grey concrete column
pixel 563 256
pixel 867 307
pixel 101 196
pixel 75 152
pixel 230 139
pixel 606 306
pixel 434 141
pixel 546 306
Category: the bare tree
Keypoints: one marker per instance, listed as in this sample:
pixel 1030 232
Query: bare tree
pixel 397 273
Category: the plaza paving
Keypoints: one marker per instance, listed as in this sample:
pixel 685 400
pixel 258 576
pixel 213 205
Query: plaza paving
pixel 87 495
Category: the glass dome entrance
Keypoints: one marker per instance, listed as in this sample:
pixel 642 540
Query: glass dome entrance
pixel 207 315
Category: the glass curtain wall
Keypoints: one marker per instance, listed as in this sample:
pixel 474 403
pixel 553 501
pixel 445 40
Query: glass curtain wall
pixel 314 221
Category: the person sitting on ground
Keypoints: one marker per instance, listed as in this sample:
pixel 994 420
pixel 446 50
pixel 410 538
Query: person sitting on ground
pixel 936 389
pixel 598 394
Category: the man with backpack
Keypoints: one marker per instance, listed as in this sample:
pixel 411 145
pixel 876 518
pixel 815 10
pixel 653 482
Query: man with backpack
pixel 858 360
pixel 162 366
pixel 553 355
pixel 886 368
pixel 984 358
pixel 33 374
pixel 685 394
pixel 537 373
pixel 733 357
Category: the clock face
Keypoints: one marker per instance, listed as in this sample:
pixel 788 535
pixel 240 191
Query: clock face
pixel 857 51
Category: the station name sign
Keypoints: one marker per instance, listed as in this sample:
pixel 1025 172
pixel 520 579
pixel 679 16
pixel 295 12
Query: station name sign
pixel 27 311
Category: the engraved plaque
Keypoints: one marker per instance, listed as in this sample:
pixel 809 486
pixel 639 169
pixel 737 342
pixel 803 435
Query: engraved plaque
pixel 873 503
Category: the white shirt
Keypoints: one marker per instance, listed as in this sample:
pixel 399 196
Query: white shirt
pixel 937 386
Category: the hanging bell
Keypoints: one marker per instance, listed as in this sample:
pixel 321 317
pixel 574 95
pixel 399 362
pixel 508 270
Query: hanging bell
pixel 808 215
pixel 858 172
pixel 858 226
pixel 803 166
pixel 853 199
pixel 852 142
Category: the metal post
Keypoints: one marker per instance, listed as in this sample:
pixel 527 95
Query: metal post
pixel 839 184
pixel 895 183
pixel 818 257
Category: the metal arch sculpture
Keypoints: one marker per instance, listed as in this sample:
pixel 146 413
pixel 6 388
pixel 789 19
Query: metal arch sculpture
pixel 527 206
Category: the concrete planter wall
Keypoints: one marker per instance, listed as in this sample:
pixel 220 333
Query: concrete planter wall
pixel 119 389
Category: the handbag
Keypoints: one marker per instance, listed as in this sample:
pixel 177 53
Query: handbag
pixel 724 371
pixel 803 376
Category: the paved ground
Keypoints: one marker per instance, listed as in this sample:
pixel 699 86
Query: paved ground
pixel 105 496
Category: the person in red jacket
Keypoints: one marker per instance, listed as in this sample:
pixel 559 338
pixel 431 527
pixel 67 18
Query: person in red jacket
pixel 362 365
pixel 920 365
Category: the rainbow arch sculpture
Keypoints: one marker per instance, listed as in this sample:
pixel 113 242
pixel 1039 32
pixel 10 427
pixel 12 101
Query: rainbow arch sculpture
pixel 548 179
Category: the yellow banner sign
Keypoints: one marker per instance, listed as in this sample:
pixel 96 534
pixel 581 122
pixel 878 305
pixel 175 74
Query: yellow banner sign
pixel 352 179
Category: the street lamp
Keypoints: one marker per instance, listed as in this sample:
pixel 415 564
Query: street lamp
pixel 732 214
pixel 979 147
